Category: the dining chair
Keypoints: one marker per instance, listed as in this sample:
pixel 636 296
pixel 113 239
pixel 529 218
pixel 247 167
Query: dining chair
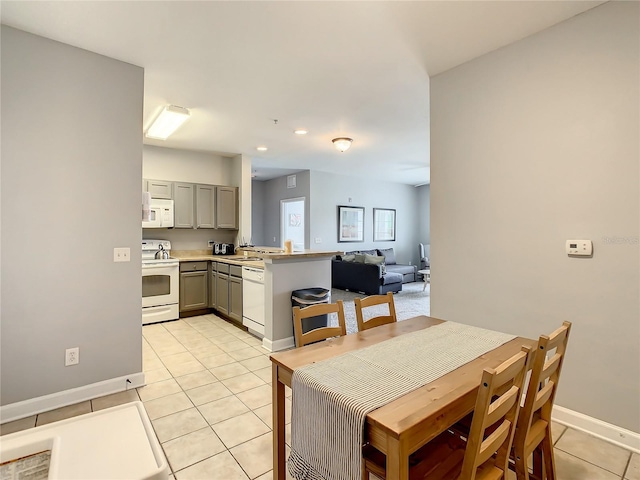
pixel 533 430
pixel 484 456
pixel 304 338
pixel 370 301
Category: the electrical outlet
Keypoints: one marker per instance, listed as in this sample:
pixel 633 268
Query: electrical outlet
pixel 122 254
pixel 274 239
pixel 318 240
pixel 210 243
pixel 71 356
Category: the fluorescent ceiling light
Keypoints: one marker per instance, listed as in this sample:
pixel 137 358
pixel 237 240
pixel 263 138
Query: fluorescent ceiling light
pixel 301 131
pixel 261 149
pixel 170 118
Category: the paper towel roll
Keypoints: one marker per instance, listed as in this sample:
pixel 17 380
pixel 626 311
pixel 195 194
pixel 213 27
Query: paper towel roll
pixel 288 246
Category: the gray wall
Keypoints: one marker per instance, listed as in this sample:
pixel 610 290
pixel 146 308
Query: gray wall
pixel 257 213
pixel 330 190
pixel 534 144
pixel 274 191
pixel 424 217
pixel 71 176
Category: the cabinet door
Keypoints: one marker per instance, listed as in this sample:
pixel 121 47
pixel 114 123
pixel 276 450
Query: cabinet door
pixel 222 293
pixel 205 206
pixel 227 207
pixel 160 189
pixel 235 298
pixel 183 205
pixel 193 291
pixel 213 281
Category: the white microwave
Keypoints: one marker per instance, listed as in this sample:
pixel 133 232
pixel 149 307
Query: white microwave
pixel 161 214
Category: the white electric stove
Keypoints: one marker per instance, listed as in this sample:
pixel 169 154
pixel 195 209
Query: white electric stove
pixel 160 277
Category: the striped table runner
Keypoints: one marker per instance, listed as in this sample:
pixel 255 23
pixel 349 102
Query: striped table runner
pixel 332 398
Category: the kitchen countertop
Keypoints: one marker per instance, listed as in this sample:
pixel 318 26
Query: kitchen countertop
pixel 205 255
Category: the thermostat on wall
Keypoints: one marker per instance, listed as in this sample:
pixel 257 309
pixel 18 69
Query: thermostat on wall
pixel 579 248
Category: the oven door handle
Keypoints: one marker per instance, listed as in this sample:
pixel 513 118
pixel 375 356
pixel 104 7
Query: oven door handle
pixel 159 265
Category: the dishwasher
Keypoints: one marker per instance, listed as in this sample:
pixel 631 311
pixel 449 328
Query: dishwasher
pixel 253 301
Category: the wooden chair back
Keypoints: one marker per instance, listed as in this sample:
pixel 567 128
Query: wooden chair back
pixel 494 419
pixel 322 333
pixel 370 301
pixel 534 422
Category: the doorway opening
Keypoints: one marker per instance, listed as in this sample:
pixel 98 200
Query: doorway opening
pixel 292 222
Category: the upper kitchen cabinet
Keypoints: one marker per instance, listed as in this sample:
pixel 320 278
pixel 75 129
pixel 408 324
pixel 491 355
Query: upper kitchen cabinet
pixel 183 205
pixel 205 206
pixel 227 207
pixel 159 189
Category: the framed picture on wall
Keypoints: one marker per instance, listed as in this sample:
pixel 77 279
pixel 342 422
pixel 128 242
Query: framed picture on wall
pixel 350 224
pixel 384 225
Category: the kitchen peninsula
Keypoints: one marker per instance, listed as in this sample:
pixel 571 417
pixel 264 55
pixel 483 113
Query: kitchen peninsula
pixel 283 273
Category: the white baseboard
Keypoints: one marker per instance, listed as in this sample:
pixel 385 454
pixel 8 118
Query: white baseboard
pixel 606 431
pixel 282 344
pixel 26 408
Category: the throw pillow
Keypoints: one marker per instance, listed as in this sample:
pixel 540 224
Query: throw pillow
pixel 376 260
pixel 389 256
pixel 348 258
pixel 359 257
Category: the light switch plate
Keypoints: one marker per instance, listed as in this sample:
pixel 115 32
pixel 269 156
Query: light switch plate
pixel 579 248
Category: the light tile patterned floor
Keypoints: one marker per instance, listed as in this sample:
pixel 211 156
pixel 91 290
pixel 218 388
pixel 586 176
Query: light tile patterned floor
pixel 208 395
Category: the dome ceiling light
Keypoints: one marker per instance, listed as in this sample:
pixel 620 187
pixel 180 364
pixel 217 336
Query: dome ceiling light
pixel 342 143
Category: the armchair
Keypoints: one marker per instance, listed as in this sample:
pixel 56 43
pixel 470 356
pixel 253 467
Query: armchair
pixel 425 251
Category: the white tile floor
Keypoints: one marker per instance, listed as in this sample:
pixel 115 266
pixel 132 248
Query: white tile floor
pixel 208 395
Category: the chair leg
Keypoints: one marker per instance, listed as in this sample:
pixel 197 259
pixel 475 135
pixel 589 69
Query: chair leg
pixel 537 463
pixel 521 469
pixel 548 457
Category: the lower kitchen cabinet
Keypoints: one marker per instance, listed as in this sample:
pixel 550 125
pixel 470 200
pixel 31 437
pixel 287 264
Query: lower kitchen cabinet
pixel 222 288
pixel 194 287
pixel 213 283
pixel 235 294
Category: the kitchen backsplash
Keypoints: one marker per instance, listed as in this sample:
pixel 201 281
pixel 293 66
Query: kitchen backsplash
pixel 190 239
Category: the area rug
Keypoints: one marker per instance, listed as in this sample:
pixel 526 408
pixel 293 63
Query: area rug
pixel 410 302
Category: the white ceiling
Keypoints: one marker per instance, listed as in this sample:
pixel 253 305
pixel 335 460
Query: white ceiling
pixel 358 69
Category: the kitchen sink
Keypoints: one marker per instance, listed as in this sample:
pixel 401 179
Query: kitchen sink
pixel 248 259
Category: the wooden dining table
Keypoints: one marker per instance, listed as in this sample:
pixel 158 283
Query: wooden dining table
pixel 402 426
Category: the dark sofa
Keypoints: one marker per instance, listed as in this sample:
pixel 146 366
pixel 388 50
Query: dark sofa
pixel 371 278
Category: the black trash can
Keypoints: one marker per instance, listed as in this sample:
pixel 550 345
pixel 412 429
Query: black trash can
pixel 311 296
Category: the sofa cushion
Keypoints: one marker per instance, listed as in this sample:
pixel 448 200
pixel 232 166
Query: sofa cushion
pixel 390 278
pixel 363 252
pixel 389 256
pixel 402 269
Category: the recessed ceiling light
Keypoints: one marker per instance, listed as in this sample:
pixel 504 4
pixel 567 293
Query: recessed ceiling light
pixel 261 149
pixel 301 131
